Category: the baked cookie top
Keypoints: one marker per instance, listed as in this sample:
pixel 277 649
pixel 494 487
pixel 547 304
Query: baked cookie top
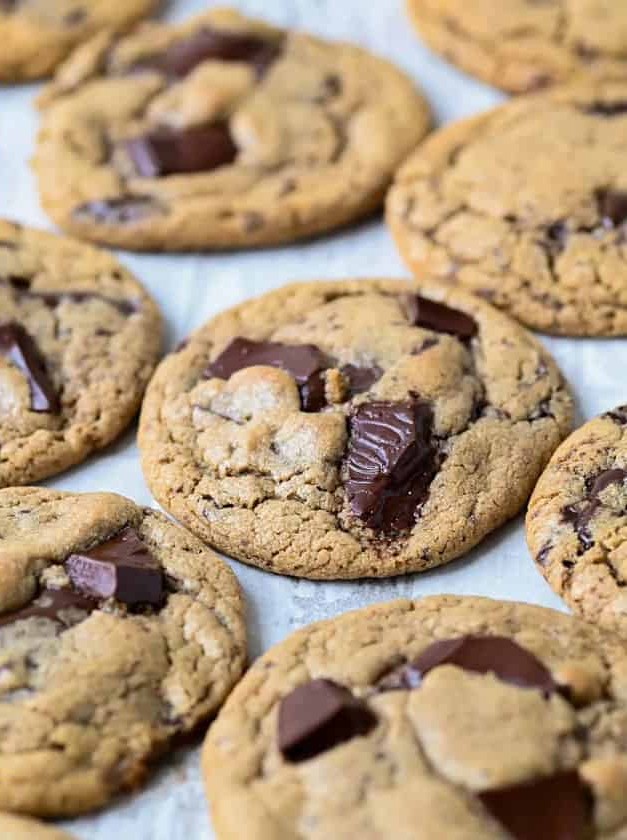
pixel 20 828
pixel 452 717
pixel 79 338
pixel 523 45
pixel 527 206
pixel 222 132
pixel 118 632
pixel 577 520
pixel 38 34
pixel 352 429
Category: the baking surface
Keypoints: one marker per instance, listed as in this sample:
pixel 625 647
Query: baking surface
pixel 191 289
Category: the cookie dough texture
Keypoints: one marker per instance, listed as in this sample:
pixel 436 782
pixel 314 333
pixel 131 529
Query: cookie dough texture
pixel 99 335
pixel 84 709
pixel 241 465
pixel 577 520
pixel 417 774
pixel 522 45
pixel 19 828
pixel 526 205
pixel 38 34
pixel 318 132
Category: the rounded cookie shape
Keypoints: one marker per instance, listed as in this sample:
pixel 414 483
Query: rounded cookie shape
pixel 37 35
pixel 20 828
pixel 352 429
pixel 522 45
pixel 222 133
pixel 79 339
pixel 577 520
pixel 394 722
pixel 527 206
pixel 118 632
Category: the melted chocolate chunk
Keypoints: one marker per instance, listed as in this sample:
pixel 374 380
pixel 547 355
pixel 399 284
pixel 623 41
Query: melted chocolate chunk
pixel 606 109
pixel 497 655
pixel 423 312
pixel 122 568
pixel 118 211
pixel 165 151
pixel 20 349
pixel 318 716
pixel 619 415
pixel 557 807
pixel 63 606
pixel 580 515
pixel 391 462
pixel 212 44
pixel 360 379
pixel 305 362
pixel 612 206
pixel 22 289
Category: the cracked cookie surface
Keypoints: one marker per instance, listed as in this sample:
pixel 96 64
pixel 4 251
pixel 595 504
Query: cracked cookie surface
pixel 523 45
pixel 221 133
pixel 577 520
pixel 20 828
pixel 352 429
pixel 118 632
pixel 38 34
pixel 400 713
pixel 526 206
pixel 79 338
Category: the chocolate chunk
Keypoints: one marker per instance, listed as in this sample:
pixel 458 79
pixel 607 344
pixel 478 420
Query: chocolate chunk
pixel 482 654
pixel 212 44
pixel 122 568
pixel 557 807
pixel 606 109
pixel 118 211
pixel 391 462
pixel 22 289
pixel 166 151
pixel 305 362
pixel 63 606
pixel 19 348
pixel 318 716
pixel 619 415
pixel 361 379
pixel 557 234
pixel 612 206
pixel 580 515
pixel 423 312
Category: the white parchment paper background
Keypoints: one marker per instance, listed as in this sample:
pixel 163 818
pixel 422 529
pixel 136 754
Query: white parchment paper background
pixel 191 289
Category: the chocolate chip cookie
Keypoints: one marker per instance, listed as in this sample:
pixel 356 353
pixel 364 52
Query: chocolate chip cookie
pixel 20 828
pixel 222 133
pixel 456 718
pixel 527 206
pixel 118 632
pixel 523 45
pixel 577 520
pixel 38 34
pixel 352 429
pixel 79 338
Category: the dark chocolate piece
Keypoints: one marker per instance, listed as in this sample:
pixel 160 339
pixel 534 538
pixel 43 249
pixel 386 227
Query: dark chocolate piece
pixel 612 206
pixel 305 362
pixel 20 349
pixel 361 379
pixel 63 606
pixel 119 211
pixel 557 807
pixel 166 151
pixel 431 315
pixel 498 655
pixel 22 289
pixel 122 568
pixel 606 109
pixel 619 415
pixel 390 463
pixel 580 515
pixel 318 716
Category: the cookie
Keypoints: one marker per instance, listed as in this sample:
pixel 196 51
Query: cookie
pixel 527 206
pixel 462 718
pixel 38 34
pixel 118 632
pixel 79 338
pixel 577 520
pixel 19 828
pixel 351 429
pixel 222 133
pixel 523 45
